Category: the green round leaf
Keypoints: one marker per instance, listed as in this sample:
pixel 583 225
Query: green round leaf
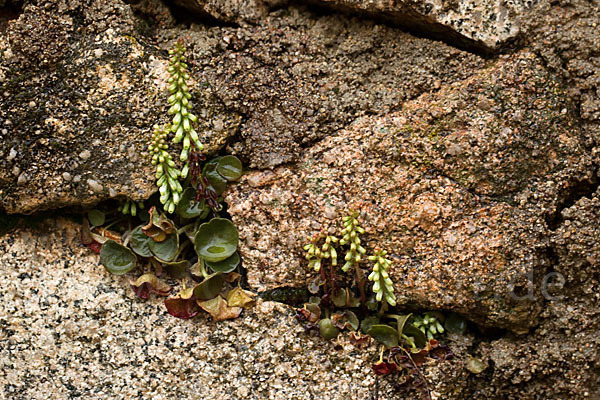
pixel 230 168
pixel 416 334
pixel 227 265
pixel 368 322
pixel 210 287
pixel 177 269
pixel 384 334
pixel 167 249
pixel 139 242
pixel 117 259
pixel 327 330
pixel 352 320
pixel 215 179
pixel 96 217
pixel 188 207
pixel 216 240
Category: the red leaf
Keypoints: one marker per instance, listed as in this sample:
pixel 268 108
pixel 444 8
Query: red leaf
pixel 95 246
pixel 384 368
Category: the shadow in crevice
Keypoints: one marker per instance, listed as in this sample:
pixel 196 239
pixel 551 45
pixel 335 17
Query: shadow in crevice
pixel 571 195
pixel 9 10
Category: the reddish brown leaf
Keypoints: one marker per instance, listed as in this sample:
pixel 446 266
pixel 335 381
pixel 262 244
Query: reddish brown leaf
pixel 149 283
pixel 384 368
pixel 159 226
pixel 183 305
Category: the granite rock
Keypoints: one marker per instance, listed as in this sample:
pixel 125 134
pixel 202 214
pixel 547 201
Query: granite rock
pixel 458 195
pixel 482 25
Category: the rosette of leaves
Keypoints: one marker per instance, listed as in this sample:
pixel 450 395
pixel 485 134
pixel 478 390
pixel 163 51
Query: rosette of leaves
pixel 351 236
pixel 183 119
pixel 383 287
pixel 167 175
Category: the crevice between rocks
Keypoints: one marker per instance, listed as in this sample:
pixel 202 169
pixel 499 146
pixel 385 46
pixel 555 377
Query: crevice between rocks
pixel 9 10
pixel 571 195
pixel 411 22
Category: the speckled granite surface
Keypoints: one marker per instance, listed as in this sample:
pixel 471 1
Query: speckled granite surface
pixel 69 330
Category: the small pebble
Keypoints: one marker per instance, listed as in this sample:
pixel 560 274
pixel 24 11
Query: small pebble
pixel 84 155
pixel 12 155
pixel 66 176
pixel 95 186
pixel 22 179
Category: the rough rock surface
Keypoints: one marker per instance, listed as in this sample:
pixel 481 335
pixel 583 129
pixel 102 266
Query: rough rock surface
pixel 444 188
pixel 80 95
pixel 485 25
pixel 69 329
pixel 473 172
pixel 296 77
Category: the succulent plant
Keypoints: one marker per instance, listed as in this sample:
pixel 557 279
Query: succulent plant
pixel 315 252
pixel 167 174
pixel 350 236
pixel 382 284
pixel 130 207
pixel 183 119
pixel 429 325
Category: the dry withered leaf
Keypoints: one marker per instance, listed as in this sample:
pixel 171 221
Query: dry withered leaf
pixel 86 234
pixel 384 367
pixel 358 340
pixel 232 277
pixel 148 283
pixel 219 309
pixel 183 305
pixel 159 226
pixel 239 297
pixel 101 235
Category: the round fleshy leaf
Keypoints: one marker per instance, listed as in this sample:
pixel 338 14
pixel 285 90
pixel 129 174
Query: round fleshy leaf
pixel 416 334
pixel 167 249
pixel 384 334
pixel 368 322
pixel 188 207
pixel 96 217
pixel 140 242
pixel 476 366
pixel 352 320
pixel 230 168
pixel 218 183
pixel 327 330
pixel 117 259
pixel 177 269
pixel 209 288
pixel 227 265
pixel 216 240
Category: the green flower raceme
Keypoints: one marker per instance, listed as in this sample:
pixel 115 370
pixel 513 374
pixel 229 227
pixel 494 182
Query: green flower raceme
pixel 183 119
pixel 350 235
pixel 315 255
pixel 382 284
pixel 167 175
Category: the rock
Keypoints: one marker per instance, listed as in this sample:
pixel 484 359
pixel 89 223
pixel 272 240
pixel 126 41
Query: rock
pixel 484 25
pixel 467 232
pixel 98 92
pixel 298 77
pixel 86 333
